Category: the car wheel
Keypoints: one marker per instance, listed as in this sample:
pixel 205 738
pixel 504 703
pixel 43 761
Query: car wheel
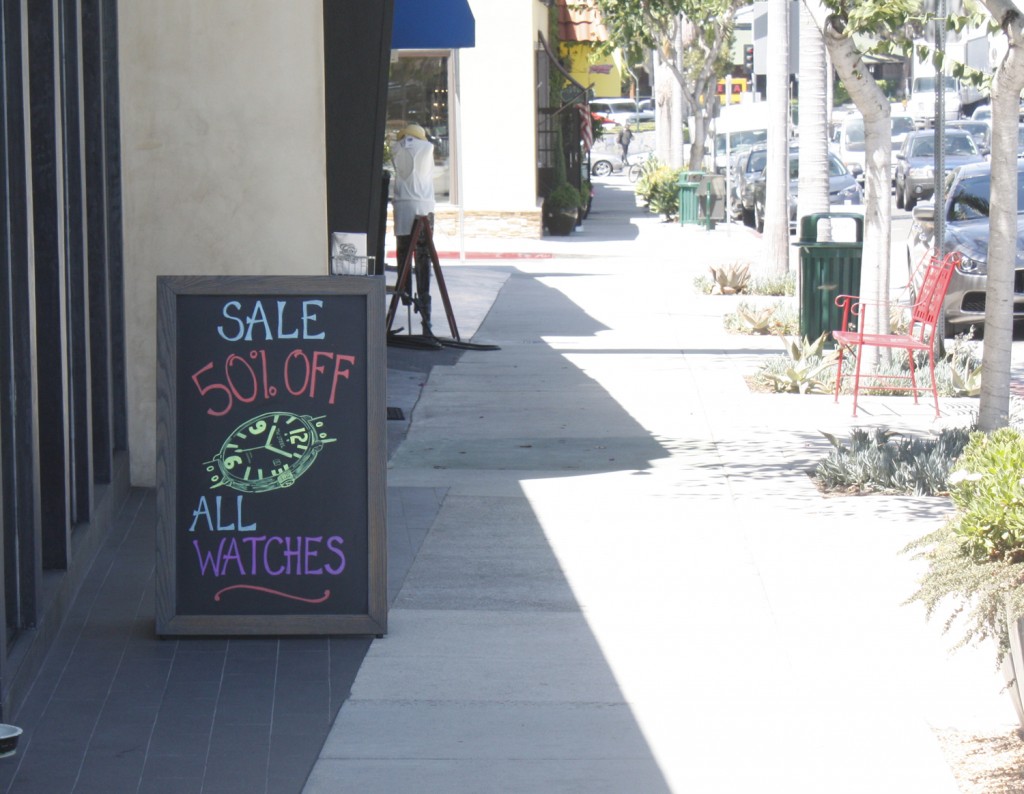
pixel 908 200
pixel 748 217
pixel 758 217
pixel 899 196
pixel 601 168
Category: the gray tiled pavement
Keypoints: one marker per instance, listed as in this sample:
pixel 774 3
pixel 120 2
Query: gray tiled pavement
pixel 608 570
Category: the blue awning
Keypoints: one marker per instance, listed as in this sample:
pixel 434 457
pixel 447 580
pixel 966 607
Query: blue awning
pixel 433 25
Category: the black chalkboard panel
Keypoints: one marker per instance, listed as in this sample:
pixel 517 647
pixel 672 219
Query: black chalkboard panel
pixel 271 455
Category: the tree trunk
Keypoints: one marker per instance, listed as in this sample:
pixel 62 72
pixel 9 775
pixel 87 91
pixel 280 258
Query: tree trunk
pixel 676 152
pixel 874 107
pixel 776 210
pixel 812 193
pixel 663 81
pixel 994 408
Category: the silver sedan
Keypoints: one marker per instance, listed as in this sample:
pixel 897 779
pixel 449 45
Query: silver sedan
pixel 967 231
pixel 604 163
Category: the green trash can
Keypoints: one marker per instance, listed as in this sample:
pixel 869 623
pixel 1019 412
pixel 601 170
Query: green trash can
pixel 689 208
pixel 827 270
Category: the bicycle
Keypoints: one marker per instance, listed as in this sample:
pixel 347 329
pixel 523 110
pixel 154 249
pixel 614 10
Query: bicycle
pixel 636 164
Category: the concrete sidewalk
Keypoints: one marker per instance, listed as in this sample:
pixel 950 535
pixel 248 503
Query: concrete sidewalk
pixel 631 583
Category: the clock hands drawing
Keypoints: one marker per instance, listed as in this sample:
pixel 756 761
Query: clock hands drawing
pixel 268 452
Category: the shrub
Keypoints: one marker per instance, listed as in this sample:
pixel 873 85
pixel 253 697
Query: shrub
pixel 988 492
pixel 659 187
pixel 645 182
pixel 885 462
pixel 778 318
pixel 781 284
pixel 564 197
pixel 974 559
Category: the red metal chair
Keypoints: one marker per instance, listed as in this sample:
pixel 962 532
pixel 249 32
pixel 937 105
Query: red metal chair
pixel 924 317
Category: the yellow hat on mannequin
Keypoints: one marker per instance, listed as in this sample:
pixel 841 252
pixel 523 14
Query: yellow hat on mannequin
pixel 415 130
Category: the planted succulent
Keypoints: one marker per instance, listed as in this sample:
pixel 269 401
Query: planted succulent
pixel 887 462
pixel 964 367
pixel 802 372
pixel 759 320
pixel 730 279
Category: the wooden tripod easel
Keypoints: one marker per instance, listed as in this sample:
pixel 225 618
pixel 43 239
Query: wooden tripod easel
pixel 421 231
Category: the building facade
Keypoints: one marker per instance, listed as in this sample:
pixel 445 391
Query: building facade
pixel 484 108
pixel 145 138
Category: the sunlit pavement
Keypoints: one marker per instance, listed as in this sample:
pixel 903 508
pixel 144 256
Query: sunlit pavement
pixel 631 583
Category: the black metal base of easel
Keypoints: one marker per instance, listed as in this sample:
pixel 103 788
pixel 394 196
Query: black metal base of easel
pixel 423 234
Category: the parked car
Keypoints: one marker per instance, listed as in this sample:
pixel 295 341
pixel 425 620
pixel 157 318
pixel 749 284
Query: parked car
pixel 843 188
pixel 981 131
pixel 984 113
pixel 847 144
pixel 915 163
pixel 966 231
pixel 639 117
pixel 613 109
pixel 644 111
pixel 604 163
pixel 749 165
pixel 902 124
pixel 848 140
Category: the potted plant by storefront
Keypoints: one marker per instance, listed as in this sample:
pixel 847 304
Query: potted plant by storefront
pixel 561 209
pixel 975 561
pixel 562 204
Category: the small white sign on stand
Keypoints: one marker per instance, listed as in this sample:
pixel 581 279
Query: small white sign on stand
pixel 348 254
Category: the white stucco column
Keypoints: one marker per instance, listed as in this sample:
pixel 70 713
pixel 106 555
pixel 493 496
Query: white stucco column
pixel 223 156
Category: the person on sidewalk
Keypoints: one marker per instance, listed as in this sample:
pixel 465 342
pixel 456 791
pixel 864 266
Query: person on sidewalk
pixel 624 138
pixel 413 157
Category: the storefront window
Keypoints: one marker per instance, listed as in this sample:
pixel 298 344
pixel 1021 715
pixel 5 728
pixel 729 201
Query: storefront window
pixel 418 94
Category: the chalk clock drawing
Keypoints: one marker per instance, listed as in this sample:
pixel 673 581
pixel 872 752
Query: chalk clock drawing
pixel 268 452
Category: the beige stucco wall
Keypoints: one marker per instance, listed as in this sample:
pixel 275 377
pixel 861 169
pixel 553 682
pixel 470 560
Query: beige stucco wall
pixel 223 159
pixel 499 127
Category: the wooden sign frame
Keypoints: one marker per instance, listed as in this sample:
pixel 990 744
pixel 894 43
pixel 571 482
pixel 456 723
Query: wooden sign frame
pixel 195 444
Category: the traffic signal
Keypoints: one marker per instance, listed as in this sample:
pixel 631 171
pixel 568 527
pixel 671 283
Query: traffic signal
pixel 748 57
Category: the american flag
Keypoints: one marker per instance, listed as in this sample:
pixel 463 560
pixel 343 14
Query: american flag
pixel 586 128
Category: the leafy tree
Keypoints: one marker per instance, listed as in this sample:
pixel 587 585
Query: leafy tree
pixel 692 40
pixel 890 21
pixel 885 21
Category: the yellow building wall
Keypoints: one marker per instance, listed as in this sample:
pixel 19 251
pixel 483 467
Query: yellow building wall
pixel 603 76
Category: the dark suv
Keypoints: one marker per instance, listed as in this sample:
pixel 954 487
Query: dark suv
pixel 843 188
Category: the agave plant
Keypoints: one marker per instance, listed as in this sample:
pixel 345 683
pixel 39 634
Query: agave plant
pixel 756 320
pixel 730 279
pixel 964 367
pixel 801 374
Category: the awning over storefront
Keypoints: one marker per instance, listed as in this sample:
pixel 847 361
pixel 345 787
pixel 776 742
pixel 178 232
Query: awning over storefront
pixel 433 25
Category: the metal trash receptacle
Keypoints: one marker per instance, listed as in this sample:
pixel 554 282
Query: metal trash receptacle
pixel 827 270
pixel 711 200
pixel 689 183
